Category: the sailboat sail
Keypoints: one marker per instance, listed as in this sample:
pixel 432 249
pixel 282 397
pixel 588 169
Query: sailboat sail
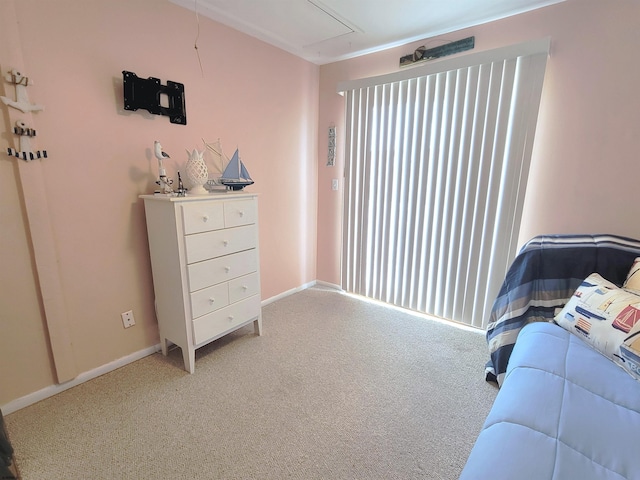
pixel 243 172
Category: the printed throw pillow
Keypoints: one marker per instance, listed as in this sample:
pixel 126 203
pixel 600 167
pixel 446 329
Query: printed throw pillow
pixel 633 277
pixel 606 317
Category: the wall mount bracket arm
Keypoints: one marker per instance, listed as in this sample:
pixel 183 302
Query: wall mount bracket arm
pixel 145 93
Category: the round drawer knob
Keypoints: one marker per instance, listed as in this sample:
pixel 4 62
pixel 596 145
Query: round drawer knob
pixel 227 269
pixel 225 242
pixel 212 301
pixel 245 288
pixel 231 318
pixel 205 218
pixel 241 213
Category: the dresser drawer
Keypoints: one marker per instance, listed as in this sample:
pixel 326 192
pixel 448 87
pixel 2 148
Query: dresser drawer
pixel 239 212
pixel 209 299
pixel 221 269
pixel 203 246
pixel 202 217
pixel 226 319
pixel 244 287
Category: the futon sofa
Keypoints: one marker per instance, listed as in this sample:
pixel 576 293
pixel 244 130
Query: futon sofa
pixel 563 342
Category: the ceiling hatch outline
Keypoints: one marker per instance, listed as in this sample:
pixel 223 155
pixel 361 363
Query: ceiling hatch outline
pixel 349 27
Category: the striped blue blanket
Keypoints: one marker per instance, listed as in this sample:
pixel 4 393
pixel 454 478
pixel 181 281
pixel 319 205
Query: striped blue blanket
pixel 543 277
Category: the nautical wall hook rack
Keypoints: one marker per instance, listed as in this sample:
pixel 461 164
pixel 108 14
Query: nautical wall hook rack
pixel 23 104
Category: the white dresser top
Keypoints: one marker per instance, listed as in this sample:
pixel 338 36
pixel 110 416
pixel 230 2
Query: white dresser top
pixel 194 198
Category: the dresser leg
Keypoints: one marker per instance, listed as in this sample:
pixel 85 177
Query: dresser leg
pixel 189 356
pixel 164 346
pixel 257 326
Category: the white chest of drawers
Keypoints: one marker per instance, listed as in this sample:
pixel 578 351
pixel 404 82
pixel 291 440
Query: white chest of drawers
pixel 205 264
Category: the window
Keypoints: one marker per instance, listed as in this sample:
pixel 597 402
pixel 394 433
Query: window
pixel 436 166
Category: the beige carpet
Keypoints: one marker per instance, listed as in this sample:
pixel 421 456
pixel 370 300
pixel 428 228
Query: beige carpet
pixel 336 388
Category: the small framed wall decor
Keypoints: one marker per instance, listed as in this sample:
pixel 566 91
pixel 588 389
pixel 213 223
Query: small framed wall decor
pixel 331 154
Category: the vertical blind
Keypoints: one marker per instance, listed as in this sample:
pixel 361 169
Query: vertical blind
pixel 436 167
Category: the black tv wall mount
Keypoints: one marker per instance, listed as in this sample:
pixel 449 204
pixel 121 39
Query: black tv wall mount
pixel 145 93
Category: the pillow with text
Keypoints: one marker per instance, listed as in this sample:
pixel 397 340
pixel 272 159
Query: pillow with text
pixel 606 317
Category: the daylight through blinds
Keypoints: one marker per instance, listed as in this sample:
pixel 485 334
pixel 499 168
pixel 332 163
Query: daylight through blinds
pixel 436 166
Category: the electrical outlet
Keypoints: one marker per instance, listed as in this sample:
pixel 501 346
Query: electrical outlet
pixel 127 319
pixel 334 184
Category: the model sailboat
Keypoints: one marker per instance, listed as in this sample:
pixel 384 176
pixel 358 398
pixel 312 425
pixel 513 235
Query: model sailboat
pixel 235 175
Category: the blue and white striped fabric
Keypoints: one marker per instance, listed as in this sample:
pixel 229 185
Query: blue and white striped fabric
pixel 542 278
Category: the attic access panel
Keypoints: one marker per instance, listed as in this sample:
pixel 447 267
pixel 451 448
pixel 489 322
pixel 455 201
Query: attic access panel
pixel 293 25
pixel 145 93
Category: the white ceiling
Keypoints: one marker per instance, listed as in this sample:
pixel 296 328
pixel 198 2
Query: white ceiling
pixel 325 31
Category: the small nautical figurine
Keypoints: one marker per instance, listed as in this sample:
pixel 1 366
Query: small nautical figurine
pixel 22 99
pixel 181 190
pixel 25 153
pixel 236 176
pixel 164 182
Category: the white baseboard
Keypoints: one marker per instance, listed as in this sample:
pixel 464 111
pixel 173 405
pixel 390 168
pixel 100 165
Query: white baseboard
pixel 287 293
pixel 299 289
pixel 329 285
pixel 52 390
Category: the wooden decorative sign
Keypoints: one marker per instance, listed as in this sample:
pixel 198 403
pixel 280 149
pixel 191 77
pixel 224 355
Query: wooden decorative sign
pixel 422 54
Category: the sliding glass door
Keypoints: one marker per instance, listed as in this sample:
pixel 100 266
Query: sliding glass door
pixel 437 160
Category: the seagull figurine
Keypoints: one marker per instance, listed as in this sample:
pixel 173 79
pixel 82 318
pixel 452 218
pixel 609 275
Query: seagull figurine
pixel 160 154
pixel 164 182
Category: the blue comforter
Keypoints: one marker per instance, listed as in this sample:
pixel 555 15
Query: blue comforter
pixel 565 411
pixel 542 278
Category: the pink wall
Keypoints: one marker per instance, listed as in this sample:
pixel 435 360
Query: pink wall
pixel 251 95
pixel 585 158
